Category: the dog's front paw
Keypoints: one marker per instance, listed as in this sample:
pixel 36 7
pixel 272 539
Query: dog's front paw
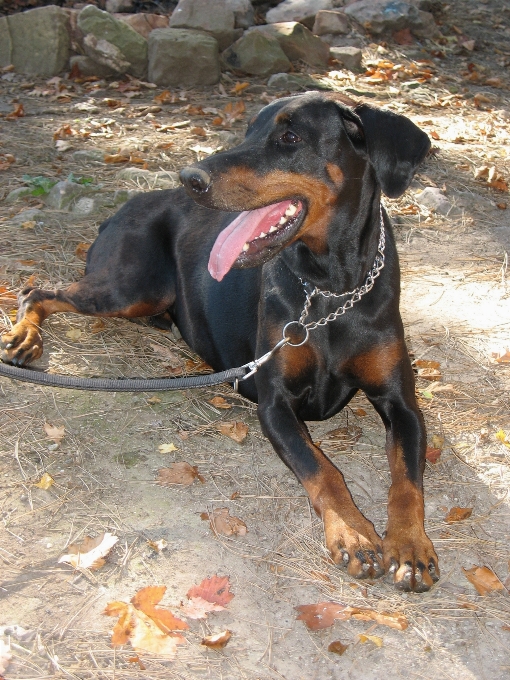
pixel 22 345
pixel 410 558
pixel 354 544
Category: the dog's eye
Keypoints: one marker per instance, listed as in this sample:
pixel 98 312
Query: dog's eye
pixel 290 137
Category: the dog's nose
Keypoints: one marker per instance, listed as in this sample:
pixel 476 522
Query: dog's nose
pixel 196 179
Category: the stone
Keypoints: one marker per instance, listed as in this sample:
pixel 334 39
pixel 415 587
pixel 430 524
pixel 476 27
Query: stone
pixel 244 14
pixel 30 215
pixel 433 199
pixel 144 23
pixel 389 16
pixel 297 42
pixel 64 194
pixel 108 38
pixel 183 58
pixel 212 16
pixel 256 54
pixel 349 57
pixel 16 194
pixel 89 156
pixel 328 22
pixel 90 67
pixel 291 82
pixel 36 42
pixel 152 180
pixel 295 10
pixel 113 6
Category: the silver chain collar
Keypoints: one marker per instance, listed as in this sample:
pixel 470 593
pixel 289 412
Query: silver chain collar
pixel 355 296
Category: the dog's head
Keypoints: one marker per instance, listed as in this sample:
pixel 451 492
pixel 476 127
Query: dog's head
pixel 301 158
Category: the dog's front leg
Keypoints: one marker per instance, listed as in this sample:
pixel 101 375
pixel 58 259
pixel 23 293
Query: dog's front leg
pixel 350 537
pixel 408 552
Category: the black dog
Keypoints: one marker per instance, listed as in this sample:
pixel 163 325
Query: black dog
pixel 308 179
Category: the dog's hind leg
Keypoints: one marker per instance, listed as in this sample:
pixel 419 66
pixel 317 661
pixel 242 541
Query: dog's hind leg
pixel 93 295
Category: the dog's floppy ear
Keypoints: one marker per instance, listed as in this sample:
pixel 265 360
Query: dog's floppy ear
pixel 395 147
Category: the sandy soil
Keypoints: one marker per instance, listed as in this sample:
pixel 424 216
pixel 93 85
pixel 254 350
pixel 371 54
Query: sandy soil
pixel 456 307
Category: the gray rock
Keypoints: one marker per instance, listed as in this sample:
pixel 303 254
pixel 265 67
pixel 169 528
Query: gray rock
pixel 90 67
pixel 388 16
pixel 183 58
pixel 31 215
pixel 295 10
pixel 64 194
pixel 297 42
pixel 105 54
pixel 332 23
pixel 102 30
pixel 16 194
pixel 257 54
pixel 87 205
pixel 113 6
pixel 123 195
pixel 244 15
pixel 144 23
pixel 150 180
pixel 89 156
pixel 433 199
pixel 349 56
pixel 292 82
pixel 36 42
pixel 214 17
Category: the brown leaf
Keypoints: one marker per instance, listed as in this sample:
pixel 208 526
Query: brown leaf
pixel 81 251
pixel 348 435
pixel 235 430
pixel 378 642
pixel 432 454
pixel 199 131
pixel 179 473
pixel 220 402
pixel 457 514
pixel 197 366
pixel 146 600
pixel 125 625
pixel 55 433
pixel 360 412
pixel 18 112
pixel 483 579
pixel 215 589
pixel 239 87
pixel 217 641
pixel 221 522
pixel 323 615
pixel 429 370
pixel 499 184
pixel 337 647
pixel 45 482
pixel 116 158
pixel 198 608
pixel 146 636
pixel 6 160
pixel 90 553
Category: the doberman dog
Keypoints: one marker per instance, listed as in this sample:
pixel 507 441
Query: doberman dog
pixel 283 228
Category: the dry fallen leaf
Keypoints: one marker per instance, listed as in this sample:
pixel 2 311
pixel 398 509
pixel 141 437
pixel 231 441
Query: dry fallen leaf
pixel 90 553
pixel 501 437
pixel 221 522
pixel 55 433
pixel 429 370
pixel 6 160
pixel 360 412
pixel 458 514
pixel 236 430
pixel 45 482
pixel 159 545
pixel 198 608
pixel 74 334
pixel 215 589
pixel 378 642
pixel 146 600
pixel 179 473
pixel 432 454
pixel 81 251
pixel 483 579
pixel 220 402
pixel 217 641
pixel 324 614
pixel 153 400
pixel 337 647
pixel 167 448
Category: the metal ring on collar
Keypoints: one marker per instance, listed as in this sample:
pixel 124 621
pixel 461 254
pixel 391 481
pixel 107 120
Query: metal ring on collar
pixel 301 325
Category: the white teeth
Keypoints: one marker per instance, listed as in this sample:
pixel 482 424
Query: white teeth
pixel 246 247
pixel 291 210
pixel 273 229
pixel 282 220
pixel 262 234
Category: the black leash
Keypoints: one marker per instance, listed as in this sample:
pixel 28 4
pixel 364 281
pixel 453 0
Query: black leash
pixel 121 384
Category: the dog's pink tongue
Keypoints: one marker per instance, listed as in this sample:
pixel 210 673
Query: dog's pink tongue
pixel 246 226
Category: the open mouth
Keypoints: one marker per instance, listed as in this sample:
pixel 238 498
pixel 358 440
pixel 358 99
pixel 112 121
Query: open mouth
pixel 255 236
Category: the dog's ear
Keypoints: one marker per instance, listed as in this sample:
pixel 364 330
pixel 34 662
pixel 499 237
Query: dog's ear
pixel 395 147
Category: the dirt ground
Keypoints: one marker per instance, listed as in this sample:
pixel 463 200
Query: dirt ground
pixel 455 304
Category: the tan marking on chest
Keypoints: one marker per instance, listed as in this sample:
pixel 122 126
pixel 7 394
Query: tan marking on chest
pixel 376 366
